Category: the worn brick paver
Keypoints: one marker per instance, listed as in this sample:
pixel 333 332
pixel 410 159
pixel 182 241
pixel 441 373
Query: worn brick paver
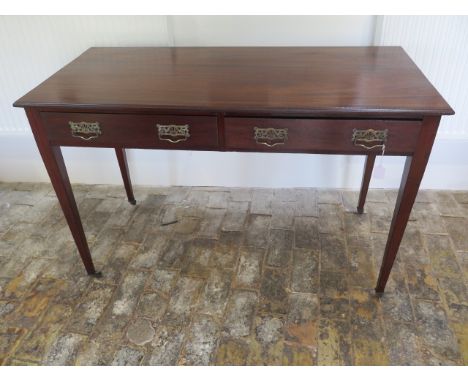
pixel 231 276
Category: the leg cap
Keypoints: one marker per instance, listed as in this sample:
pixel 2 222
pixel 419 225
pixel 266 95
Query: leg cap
pixel 97 275
pixel 132 201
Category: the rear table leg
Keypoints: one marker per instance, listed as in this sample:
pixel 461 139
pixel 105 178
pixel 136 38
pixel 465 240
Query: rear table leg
pixel 368 167
pixel 122 159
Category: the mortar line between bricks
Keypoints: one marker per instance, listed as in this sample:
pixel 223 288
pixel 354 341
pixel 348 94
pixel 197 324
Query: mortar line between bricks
pixel 349 321
pixel 78 303
pixel 453 248
pixel 319 290
pixel 232 290
pixel 443 300
pixel 111 299
pixel 16 347
pixel 258 293
pixel 123 339
pixel 21 301
pixel 187 328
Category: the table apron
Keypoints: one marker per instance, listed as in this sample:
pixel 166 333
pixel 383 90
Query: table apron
pixel 211 133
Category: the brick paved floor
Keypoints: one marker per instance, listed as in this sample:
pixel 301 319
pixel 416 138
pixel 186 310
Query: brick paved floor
pixel 245 276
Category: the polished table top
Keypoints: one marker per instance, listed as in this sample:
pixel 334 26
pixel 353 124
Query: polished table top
pixel 300 81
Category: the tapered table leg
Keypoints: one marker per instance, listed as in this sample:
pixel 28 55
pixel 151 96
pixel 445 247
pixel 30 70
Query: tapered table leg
pixel 122 159
pixel 366 177
pixel 53 161
pixel 412 176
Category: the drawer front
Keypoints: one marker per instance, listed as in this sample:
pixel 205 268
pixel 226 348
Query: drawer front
pixel 128 130
pixel 321 135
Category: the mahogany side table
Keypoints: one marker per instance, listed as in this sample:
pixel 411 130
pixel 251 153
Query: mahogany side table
pixel 357 100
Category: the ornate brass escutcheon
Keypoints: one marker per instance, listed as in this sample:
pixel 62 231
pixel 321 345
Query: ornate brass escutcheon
pixel 173 133
pixel 85 130
pixel 370 138
pixel 270 136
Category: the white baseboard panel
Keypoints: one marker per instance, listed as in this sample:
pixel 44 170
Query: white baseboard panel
pixel 20 162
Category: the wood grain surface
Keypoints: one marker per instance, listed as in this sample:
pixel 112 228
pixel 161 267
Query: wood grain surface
pixel 274 81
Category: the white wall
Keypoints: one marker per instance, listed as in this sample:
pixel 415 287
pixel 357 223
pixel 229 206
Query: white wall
pixel 438 45
pixel 32 48
pixel 271 30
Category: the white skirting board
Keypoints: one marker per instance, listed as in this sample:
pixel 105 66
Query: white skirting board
pixel 20 162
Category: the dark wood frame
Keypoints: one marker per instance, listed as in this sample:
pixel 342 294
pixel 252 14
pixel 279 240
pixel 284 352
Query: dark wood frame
pixel 413 172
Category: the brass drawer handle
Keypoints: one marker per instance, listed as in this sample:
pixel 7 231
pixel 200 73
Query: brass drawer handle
pixel 270 137
pixel 370 139
pixel 85 130
pixel 173 133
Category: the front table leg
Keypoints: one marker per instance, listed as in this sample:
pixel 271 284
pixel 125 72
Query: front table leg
pixel 412 176
pixel 53 161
